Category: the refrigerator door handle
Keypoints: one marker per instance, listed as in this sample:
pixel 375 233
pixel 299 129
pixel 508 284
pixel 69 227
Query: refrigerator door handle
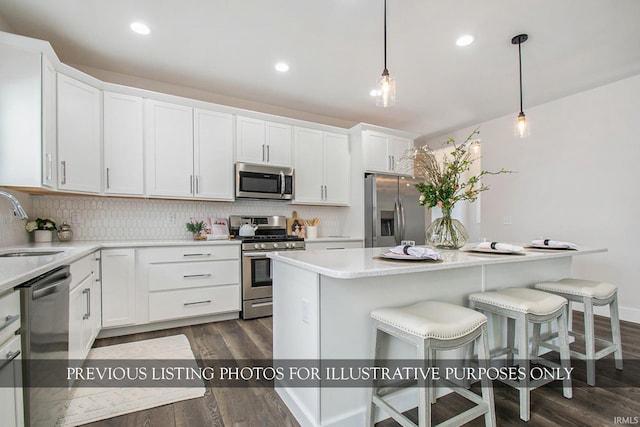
pixel 397 232
pixel 403 228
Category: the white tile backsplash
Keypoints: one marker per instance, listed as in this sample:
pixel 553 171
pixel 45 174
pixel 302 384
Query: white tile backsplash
pixel 109 218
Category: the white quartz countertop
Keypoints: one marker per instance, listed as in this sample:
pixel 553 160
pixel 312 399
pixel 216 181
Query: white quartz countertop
pixel 17 270
pixel 335 239
pixel 363 262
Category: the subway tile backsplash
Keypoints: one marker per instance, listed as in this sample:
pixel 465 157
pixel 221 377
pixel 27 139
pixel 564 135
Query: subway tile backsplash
pixel 109 218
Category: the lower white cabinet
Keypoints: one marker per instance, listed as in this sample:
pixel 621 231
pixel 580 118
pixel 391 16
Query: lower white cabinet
pixel 118 287
pixel 190 281
pixel 11 404
pixel 85 306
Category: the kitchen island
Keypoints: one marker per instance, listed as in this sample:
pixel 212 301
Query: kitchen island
pixel 322 302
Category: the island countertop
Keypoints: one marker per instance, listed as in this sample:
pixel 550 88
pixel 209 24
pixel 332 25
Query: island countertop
pixel 365 262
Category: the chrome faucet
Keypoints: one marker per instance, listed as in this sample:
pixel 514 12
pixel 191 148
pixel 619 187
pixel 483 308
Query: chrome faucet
pixel 18 210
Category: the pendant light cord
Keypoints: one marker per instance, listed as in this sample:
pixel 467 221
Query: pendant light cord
pixel 520 64
pixel 385 36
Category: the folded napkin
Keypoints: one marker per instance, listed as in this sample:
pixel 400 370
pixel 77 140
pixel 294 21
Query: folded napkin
pixel 554 243
pixel 506 247
pixel 415 251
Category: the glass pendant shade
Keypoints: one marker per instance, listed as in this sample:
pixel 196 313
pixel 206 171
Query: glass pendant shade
pixel 386 90
pixel 522 126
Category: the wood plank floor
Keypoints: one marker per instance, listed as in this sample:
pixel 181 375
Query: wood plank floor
pixel 617 393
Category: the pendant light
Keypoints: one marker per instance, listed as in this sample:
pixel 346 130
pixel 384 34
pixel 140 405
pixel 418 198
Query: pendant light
pixel 522 128
pixel 386 86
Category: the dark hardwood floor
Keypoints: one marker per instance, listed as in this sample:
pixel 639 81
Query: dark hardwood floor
pixel 617 393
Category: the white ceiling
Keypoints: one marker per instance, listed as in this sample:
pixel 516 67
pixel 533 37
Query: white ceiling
pixel 334 47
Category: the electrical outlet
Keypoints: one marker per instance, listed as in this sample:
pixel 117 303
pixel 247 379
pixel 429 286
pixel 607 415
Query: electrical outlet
pixel 76 218
pixel 507 220
pixel 304 311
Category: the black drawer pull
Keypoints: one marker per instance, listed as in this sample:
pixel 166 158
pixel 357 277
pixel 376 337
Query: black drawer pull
pixel 197 302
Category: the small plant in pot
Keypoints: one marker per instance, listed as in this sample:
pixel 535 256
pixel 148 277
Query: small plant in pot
pixel 196 228
pixel 42 228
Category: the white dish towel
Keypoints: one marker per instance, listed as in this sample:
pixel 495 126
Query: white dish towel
pixel 496 246
pixel 415 251
pixel 554 243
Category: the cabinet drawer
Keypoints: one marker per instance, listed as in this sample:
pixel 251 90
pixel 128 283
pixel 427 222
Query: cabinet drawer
pixel 193 274
pixel 193 302
pixel 332 245
pixel 81 269
pixel 9 315
pixel 190 253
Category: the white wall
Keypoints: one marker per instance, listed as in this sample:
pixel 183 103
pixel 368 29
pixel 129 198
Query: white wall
pixel 577 181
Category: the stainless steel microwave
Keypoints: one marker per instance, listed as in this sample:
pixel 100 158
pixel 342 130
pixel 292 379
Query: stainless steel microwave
pixel 263 182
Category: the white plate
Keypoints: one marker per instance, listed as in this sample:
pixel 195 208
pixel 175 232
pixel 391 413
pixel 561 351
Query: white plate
pixel 495 251
pixel 563 247
pixel 403 257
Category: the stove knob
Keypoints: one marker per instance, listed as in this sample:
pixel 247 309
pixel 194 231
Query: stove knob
pixel 262 245
pixel 287 245
pixel 275 245
pixel 257 246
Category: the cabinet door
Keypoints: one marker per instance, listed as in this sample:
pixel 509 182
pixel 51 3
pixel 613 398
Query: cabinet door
pixel 398 149
pixel 250 140
pixel 337 169
pixel 49 157
pixel 78 309
pixel 309 166
pixel 278 144
pixel 123 144
pixel 169 148
pixel 374 150
pixel 213 155
pixel 118 287
pixel 78 136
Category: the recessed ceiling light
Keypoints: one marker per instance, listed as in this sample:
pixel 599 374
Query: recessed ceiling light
pixel 282 67
pixel 464 40
pixel 140 28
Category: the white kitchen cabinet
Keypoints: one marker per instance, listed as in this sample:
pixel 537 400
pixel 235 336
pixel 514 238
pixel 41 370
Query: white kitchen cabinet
pixel 263 142
pixel 169 149
pixel 190 281
pixel 310 245
pixel 11 405
pixel 213 155
pixel 27 118
pixel 322 167
pixel 79 135
pixel 123 144
pixel 384 153
pixel 84 307
pixel 118 287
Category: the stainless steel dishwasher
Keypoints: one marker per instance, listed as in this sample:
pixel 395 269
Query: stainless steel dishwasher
pixel 44 304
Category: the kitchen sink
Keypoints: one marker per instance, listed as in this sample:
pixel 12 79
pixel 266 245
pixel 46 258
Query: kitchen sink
pixel 28 253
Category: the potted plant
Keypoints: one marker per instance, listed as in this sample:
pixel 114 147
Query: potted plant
pixel 196 229
pixel 42 229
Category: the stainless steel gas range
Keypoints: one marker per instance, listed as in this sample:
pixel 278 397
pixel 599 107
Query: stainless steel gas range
pixel 270 234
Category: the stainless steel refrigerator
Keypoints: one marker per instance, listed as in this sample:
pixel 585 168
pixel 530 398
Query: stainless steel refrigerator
pixel 392 211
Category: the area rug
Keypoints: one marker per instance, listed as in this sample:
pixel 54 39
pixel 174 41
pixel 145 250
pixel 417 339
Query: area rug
pixel 88 404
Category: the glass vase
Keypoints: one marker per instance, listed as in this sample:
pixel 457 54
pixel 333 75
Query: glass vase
pixel 446 232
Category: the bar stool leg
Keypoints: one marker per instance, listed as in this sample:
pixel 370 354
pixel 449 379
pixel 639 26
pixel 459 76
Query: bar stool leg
pixel 375 348
pixel 523 358
pixel 569 316
pixel 615 330
pixel 536 339
pixel 565 354
pixel 425 390
pixel 589 341
pixel 487 387
pixel 511 334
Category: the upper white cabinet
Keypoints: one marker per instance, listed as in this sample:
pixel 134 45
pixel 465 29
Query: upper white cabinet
pixel 27 118
pixel 123 144
pixel 322 167
pixel 188 151
pixel 262 142
pixel 79 130
pixel 213 155
pixel 385 153
pixel 169 149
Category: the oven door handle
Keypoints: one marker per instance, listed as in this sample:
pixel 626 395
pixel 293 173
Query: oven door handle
pixel 255 254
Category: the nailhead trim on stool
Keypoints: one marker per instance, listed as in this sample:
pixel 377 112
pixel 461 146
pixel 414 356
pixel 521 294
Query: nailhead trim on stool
pixel 591 293
pixel 432 326
pixel 521 306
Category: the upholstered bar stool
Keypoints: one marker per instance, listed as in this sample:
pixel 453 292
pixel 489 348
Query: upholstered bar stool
pixel 590 293
pixel 432 326
pixel 521 306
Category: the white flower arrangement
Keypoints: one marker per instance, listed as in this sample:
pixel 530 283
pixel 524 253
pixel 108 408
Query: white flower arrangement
pixel 40 224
